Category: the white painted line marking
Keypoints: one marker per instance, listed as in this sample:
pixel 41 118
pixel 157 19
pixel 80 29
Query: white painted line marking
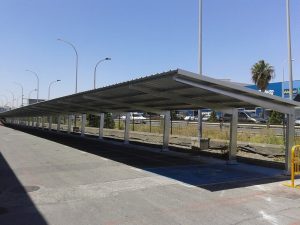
pixel 105 159
pixel 268 218
pixel 268 199
pixel 222 193
pixel 136 169
pixel 187 185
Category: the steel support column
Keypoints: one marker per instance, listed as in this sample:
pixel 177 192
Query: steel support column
pixel 50 123
pixel 101 125
pixel 38 122
pixel 233 137
pixel 58 123
pixel 200 128
pixel 126 131
pixel 167 124
pixel 290 141
pixel 83 122
pixel 69 124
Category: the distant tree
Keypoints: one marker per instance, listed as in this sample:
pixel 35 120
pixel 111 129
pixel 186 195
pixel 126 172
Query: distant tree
pixel 173 115
pixel 276 118
pixel 109 121
pixel 213 117
pixel 262 73
pixel 92 120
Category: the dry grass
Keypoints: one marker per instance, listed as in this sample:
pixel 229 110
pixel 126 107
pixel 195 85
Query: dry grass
pixel 266 136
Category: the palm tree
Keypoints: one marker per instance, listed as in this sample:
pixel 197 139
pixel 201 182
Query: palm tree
pixel 262 73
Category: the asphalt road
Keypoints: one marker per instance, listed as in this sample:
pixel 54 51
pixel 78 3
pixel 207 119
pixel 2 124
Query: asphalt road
pixel 47 178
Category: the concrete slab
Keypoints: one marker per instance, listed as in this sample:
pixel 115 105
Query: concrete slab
pixel 47 178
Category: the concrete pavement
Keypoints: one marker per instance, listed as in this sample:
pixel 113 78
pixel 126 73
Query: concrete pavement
pixel 47 178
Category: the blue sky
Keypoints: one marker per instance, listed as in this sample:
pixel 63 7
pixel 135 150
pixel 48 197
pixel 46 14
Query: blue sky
pixel 142 37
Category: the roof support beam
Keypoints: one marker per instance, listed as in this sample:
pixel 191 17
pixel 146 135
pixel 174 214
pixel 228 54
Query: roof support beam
pixel 45 109
pixel 95 109
pixel 253 101
pixel 133 107
pixel 175 97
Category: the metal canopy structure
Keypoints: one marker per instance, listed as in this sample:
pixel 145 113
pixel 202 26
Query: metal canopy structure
pixel 177 89
pixel 173 90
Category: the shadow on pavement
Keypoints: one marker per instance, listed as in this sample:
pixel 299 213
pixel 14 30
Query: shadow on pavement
pixel 201 173
pixel 16 207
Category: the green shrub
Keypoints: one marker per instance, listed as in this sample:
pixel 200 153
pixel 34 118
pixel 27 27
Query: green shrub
pixel 92 120
pixel 276 118
pixel 108 121
pixel 213 117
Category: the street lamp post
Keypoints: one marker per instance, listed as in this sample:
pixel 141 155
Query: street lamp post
pixel 200 69
pixel 13 99
pixel 95 70
pixel 38 84
pixel 6 99
pixel 55 81
pixel 22 92
pixel 69 43
pixel 289 48
pixel 200 38
pixel 282 86
pixel 30 94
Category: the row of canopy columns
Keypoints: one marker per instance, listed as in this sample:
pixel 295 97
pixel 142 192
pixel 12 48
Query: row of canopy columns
pixel 35 122
pixel 290 131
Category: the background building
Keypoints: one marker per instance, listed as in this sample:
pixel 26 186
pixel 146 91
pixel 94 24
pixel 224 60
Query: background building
pixel 281 89
pixel 33 101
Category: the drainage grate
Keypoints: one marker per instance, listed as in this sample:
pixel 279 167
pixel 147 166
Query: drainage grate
pixel 24 189
pixel 3 210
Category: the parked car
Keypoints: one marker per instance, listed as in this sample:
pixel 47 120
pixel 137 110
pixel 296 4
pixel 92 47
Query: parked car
pixel 137 117
pixel 189 118
pixel 206 117
pixel 244 117
pixel 179 117
pixel 297 121
pixel 256 119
